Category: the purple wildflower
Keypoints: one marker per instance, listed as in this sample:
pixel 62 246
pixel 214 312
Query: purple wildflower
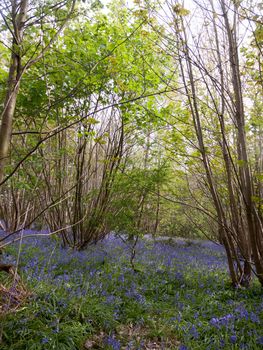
pixel 183 347
pixel 233 339
pixel 114 343
pixel 44 340
pixel 221 321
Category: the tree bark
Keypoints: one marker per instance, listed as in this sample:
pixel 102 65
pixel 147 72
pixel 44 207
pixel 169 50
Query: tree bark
pixel 14 77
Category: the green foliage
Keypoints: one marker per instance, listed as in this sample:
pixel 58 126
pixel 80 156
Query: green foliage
pixel 134 201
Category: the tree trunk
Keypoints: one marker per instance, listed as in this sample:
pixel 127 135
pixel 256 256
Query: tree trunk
pixel 14 77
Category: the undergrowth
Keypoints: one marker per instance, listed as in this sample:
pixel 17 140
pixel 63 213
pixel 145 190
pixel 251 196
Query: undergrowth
pixel 178 298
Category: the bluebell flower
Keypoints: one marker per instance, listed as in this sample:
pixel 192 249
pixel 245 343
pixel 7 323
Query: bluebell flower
pixel 194 332
pixel 44 340
pixel 233 339
pixel 114 343
pixel 183 347
pixel 222 321
pixel 222 343
pixel 173 318
pixel 254 318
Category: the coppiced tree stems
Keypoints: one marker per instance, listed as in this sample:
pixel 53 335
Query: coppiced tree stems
pixel 240 227
pixel 253 223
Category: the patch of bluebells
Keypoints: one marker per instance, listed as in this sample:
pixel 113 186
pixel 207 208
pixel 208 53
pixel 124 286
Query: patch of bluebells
pixel 183 287
pixel 219 322
pixel 183 347
pixel 112 342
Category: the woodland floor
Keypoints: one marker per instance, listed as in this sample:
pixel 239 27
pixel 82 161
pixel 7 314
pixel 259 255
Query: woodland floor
pixel 179 297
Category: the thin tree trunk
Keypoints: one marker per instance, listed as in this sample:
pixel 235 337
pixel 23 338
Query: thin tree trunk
pixel 192 99
pixel 14 77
